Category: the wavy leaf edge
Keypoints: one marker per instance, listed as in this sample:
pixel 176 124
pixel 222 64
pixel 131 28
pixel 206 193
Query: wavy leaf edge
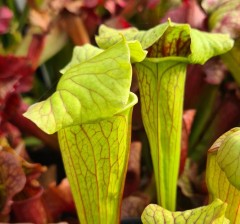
pixel 203 45
pixel 108 98
pixel 212 213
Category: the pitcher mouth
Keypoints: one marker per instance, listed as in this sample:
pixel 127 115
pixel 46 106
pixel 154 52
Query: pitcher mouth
pixel 168 58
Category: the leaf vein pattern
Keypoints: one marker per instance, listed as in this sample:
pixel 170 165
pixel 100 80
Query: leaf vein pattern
pixel 73 171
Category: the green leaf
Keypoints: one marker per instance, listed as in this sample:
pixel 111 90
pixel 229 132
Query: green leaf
pixel 171 40
pixel 161 78
pixel 206 45
pixel 200 137
pixel 95 158
pixel 109 36
pixel 222 174
pixel 213 213
pixel 92 90
pixel 222 19
pixel 232 60
pixel 81 54
pixel 84 53
pixel 228 157
pixel 136 51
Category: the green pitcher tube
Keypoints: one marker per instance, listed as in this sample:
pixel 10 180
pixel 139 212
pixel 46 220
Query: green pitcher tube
pixel 95 158
pixel 161 75
pixel 222 172
pixel 161 90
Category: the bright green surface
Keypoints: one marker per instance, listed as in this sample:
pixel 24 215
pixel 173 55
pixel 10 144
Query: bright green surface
pixel 161 79
pixel 81 54
pixel 232 60
pixel 223 172
pixel 91 110
pixel 161 91
pixel 171 39
pixel 92 88
pixel 95 159
pixel 228 158
pixel 210 214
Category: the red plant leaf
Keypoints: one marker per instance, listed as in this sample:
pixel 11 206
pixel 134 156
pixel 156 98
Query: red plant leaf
pixel 20 188
pixel 6 88
pixel 91 20
pixel 16 72
pixel 12 177
pixel 58 199
pixel 16 76
pixel 13 66
pixel 13 137
pixel 32 170
pixel 35 49
pixel 188 117
pixel 152 4
pixel 30 210
pixel 5 19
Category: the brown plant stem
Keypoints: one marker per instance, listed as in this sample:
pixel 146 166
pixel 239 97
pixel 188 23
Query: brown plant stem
pixel 75 28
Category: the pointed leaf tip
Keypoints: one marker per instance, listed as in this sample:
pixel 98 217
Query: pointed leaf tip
pixel 137 54
pixel 81 54
pixel 169 21
pixel 56 112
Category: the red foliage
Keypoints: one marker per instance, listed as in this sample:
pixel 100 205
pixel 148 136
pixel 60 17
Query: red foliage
pixel 188 117
pixel 12 179
pixel 16 76
pixel 17 178
pixel 58 199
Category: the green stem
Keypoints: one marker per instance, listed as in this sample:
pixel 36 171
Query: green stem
pixel 201 133
pixel 161 89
